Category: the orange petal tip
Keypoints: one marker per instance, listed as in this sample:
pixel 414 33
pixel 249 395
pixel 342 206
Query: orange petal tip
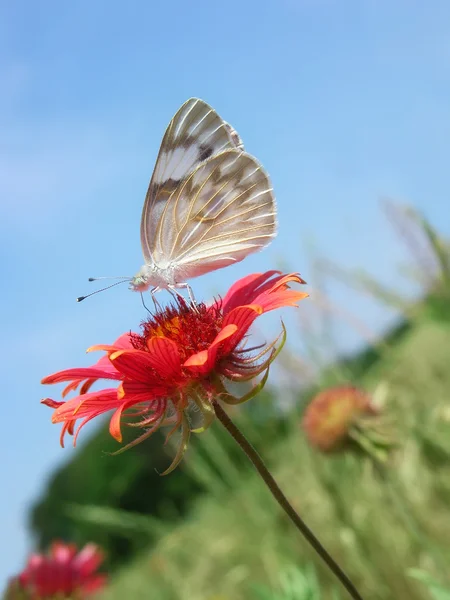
pixel 197 360
pixel 256 307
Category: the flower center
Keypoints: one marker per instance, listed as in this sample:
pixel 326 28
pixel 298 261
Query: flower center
pixel 192 329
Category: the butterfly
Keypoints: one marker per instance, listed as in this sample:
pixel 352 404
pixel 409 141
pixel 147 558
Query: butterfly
pixel 209 204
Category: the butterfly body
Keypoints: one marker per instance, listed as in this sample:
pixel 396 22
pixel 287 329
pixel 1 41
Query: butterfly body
pixel 209 204
pixel 152 276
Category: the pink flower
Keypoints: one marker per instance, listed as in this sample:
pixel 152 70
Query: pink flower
pixel 182 358
pixel 62 573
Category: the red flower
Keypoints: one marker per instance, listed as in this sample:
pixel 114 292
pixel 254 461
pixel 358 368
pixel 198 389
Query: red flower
pixel 333 413
pixel 181 358
pixel 62 573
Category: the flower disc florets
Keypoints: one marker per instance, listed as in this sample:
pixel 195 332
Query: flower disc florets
pixel 191 330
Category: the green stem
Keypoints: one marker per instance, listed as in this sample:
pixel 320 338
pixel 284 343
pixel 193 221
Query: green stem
pixel 259 465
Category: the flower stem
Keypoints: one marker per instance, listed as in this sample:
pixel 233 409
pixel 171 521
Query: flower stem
pixel 259 465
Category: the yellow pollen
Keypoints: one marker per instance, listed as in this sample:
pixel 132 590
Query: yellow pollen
pixel 170 326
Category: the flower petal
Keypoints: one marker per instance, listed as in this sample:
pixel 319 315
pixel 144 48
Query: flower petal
pixel 66 428
pixel 203 361
pixel 257 288
pixel 135 392
pixel 82 374
pixel 103 369
pixel 245 290
pixel 83 406
pixel 242 317
pixel 165 356
pixel 122 343
pixel 114 424
pixel 62 553
pixel 162 356
pixel 52 403
pixel 60 573
pixel 88 559
pixel 135 365
pixel 277 294
pixel 94 583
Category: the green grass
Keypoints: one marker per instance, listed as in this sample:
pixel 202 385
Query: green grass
pixel 377 521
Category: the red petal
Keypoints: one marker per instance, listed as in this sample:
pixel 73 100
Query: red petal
pixel 51 403
pixel 114 424
pixel 135 365
pixel 88 559
pixel 87 385
pixel 245 290
pixel 278 293
pixel 72 386
pixel 162 356
pixel 281 298
pixel 135 391
pixel 256 288
pixel 204 361
pixel 84 406
pixel 165 356
pixel 103 369
pixel 94 583
pixel 66 428
pixel 35 560
pixel 82 374
pixel 122 343
pixel 62 553
pixel 82 424
pixel 242 317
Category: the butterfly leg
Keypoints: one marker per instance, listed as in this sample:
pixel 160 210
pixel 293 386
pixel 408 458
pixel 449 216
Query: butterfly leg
pixel 187 287
pixel 143 303
pixel 154 291
pixel 190 293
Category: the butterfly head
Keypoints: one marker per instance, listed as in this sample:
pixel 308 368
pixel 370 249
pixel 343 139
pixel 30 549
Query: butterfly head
pixel 142 280
pixel 151 276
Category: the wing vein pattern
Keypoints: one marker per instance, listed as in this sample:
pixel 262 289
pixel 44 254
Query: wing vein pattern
pixel 209 203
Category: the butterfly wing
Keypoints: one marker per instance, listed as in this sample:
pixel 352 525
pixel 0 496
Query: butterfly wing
pixel 223 211
pixel 195 133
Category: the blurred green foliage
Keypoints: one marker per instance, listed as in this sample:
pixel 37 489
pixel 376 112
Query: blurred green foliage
pixel 437 591
pixel 211 531
pixel 293 584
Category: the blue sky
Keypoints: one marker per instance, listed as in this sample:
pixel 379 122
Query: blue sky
pixel 344 102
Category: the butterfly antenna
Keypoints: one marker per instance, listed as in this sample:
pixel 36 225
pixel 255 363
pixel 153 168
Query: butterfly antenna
pixel 123 280
pixel 99 278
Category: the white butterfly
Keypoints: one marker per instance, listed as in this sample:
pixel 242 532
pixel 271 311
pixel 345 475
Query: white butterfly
pixel 209 204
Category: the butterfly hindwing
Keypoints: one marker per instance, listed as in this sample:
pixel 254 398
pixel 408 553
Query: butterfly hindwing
pixel 224 210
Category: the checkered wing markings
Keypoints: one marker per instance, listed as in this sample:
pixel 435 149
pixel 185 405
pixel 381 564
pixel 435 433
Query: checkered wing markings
pixel 221 213
pixel 195 133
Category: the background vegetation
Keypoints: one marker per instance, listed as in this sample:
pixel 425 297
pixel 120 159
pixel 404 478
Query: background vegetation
pixel 211 531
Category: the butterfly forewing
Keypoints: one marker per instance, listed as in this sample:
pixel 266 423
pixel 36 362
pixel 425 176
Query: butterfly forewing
pixel 195 133
pixel 221 212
